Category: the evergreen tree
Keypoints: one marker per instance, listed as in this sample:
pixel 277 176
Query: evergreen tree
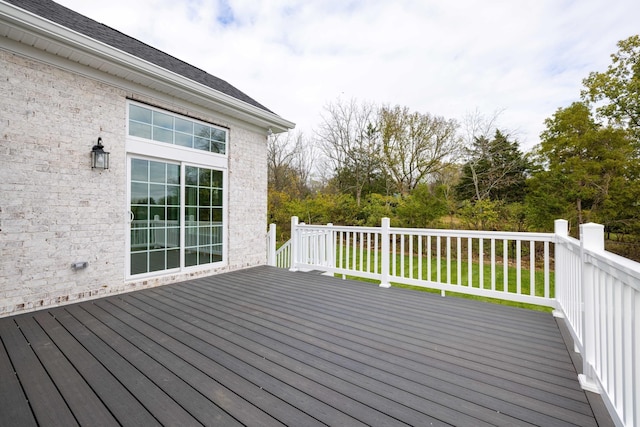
pixel 496 170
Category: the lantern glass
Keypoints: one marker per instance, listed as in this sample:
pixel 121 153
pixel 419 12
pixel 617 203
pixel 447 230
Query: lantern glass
pixel 99 157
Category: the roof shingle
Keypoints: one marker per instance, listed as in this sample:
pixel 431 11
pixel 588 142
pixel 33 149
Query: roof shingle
pixel 74 21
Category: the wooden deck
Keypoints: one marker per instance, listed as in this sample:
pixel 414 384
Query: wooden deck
pixel 265 346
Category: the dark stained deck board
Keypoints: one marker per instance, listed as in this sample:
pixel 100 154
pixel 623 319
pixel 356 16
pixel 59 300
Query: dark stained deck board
pixel 329 361
pixel 286 333
pixel 298 378
pixel 227 314
pixel 552 398
pixel 429 328
pixel 233 403
pixel 14 407
pixel 425 310
pixel 48 405
pixel 424 324
pixel 320 300
pixel 382 365
pixel 86 407
pixel 253 380
pixel 373 393
pixel 120 402
pixel 391 345
pixel 279 406
pixel 333 336
pixel 182 396
pixel 265 346
pixel 152 397
pixel 458 342
pixel 229 364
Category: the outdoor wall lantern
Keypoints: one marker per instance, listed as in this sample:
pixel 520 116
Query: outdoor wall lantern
pixel 99 157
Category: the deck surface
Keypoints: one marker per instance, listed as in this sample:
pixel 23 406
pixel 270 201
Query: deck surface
pixel 268 347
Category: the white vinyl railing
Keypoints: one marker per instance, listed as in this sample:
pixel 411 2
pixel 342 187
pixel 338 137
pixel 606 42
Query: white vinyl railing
pixel 447 260
pixel 280 257
pixel 569 296
pixel 596 293
pixel 600 301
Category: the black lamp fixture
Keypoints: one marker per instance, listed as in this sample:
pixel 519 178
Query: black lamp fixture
pixel 99 157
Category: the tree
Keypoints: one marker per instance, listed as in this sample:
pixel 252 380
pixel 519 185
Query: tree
pixel 446 179
pixel 349 137
pixel 422 207
pixel 377 206
pixel 616 92
pixel 289 164
pixel 480 215
pixel 496 170
pixel 585 167
pixel 415 145
pixel 362 173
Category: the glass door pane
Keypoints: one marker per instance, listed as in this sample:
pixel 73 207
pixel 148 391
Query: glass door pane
pixel 203 216
pixel 155 204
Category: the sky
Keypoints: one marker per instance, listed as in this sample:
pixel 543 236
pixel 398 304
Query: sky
pixel 518 59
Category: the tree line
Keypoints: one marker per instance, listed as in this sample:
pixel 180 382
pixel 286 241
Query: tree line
pixel 365 162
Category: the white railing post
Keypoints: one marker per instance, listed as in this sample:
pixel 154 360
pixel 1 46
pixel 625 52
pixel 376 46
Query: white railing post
pixel 561 228
pixel 295 244
pixel 271 245
pixel 384 253
pixel 330 249
pixel 591 238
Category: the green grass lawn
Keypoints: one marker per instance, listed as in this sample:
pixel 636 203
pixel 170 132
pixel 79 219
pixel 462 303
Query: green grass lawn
pixel 412 268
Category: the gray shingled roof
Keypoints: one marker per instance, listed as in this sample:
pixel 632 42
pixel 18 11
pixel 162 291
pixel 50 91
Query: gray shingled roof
pixel 61 15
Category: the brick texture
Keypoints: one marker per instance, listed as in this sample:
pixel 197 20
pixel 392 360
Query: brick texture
pixel 55 210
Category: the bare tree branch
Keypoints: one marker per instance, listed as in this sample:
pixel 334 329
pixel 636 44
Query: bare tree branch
pixel 416 145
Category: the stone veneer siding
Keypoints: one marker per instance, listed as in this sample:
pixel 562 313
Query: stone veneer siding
pixel 55 210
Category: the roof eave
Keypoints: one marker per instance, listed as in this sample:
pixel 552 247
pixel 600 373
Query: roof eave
pixel 103 57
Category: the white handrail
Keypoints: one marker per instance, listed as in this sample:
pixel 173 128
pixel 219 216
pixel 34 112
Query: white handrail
pixel 596 293
pixel 283 256
pixel 432 258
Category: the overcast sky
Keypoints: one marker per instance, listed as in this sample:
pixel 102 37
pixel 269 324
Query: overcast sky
pixel 526 58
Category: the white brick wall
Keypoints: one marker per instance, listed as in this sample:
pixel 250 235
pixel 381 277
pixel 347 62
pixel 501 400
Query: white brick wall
pixel 55 210
pixel 248 193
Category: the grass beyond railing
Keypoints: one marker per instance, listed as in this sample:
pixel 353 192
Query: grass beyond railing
pixel 425 268
pixel 447 260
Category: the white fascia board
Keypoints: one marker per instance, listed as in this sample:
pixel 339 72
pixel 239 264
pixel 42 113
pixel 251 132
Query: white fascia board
pixel 90 49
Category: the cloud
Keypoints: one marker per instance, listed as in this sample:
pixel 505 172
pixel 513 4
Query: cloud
pixel 526 58
pixel 225 16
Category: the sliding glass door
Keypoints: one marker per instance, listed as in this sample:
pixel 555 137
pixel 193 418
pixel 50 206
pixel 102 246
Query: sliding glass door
pixel 176 216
